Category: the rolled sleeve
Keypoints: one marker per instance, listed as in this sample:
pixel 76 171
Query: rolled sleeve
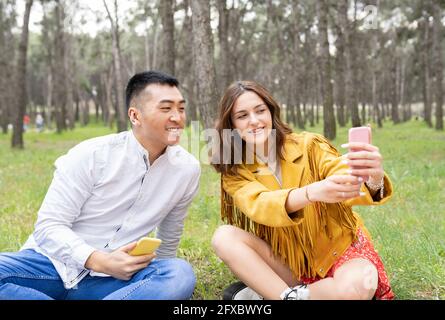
pixel 81 253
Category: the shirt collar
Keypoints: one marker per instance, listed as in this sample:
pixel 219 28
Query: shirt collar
pixel 142 151
pixel 138 146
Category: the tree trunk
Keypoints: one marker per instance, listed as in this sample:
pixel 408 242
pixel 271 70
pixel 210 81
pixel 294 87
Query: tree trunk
pixel 380 115
pixel 375 105
pixel 376 76
pixel 310 82
pixel 147 49
pixel 49 98
pixel 188 66
pixel 5 66
pixel 329 125
pixel 438 64
pixel 85 114
pixel 224 52
pixel 168 36
pixel 296 86
pixel 403 93
pixel 109 113
pixel 290 105
pixel 318 92
pixel 351 65
pixel 58 71
pixel 17 135
pixel 407 100
pixel 364 119
pixel 426 91
pixel 192 114
pixel 394 102
pixel 154 62
pixel 264 46
pixel 340 75
pixel 203 61
pixel 77 113
pixel 121 110
pixel 49 68
pixel 69 85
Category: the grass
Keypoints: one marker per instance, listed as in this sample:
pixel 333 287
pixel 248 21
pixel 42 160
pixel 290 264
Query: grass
pixel 408 232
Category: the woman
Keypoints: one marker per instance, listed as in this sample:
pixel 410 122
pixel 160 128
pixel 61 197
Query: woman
pixel 292 233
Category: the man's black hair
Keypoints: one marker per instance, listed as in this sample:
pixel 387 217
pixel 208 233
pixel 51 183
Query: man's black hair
pixel 139 81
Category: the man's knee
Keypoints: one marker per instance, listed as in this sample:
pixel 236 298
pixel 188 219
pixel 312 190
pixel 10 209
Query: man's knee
pixel 183 269
pixel 183 279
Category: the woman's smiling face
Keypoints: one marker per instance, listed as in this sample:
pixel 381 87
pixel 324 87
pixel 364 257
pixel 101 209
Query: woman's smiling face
pixel 251 116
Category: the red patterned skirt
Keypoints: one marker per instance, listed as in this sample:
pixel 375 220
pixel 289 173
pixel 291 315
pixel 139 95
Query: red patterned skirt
pixel 362 248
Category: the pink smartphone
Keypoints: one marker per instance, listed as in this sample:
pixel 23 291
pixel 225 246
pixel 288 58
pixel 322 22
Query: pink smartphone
pixel 360 134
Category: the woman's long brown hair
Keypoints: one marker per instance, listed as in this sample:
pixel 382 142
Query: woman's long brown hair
pixel 224 121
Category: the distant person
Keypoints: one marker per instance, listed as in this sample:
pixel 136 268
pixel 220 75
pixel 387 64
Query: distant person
pixel 26 121
pixel 108 192
pixel 292 233
pixel 39 122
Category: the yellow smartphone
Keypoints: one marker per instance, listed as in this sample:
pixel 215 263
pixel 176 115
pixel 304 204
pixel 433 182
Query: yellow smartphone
pixel 145 245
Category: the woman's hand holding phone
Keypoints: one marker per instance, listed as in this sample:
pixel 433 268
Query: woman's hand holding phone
pixel 335 188
pixel 363 158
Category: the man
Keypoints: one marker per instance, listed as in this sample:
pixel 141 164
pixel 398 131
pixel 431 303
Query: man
pixel 106 193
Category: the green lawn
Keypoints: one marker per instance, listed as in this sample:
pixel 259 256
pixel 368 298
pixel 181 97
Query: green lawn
pixel 408 232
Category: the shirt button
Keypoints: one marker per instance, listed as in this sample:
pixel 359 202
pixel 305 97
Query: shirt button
pixel 321 269
pixel 335 253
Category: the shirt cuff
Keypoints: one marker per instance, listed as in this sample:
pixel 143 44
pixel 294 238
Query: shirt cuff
pixel 81 254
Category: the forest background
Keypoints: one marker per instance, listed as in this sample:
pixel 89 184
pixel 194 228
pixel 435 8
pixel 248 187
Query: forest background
pixel 331 64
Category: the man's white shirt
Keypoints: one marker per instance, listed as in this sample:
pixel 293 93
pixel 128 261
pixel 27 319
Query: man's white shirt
pixel 105 194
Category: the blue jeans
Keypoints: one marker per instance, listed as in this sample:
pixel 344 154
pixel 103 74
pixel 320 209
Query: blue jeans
pixel 31 276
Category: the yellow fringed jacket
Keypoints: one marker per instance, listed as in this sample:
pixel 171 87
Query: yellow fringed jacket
pixel 310 240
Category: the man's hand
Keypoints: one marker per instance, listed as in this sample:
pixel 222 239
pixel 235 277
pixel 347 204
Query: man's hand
pixel 118 264
pixel 335 188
